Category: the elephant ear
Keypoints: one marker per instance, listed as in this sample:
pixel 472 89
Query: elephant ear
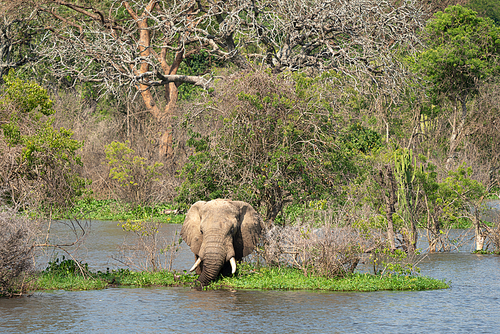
pixel 190 231
pixel 251 229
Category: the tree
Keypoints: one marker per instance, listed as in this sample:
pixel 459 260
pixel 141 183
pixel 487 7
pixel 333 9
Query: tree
pixel 487 8
pixel 38 162
pixel 462 52
pixel 270 143
pixel 142 45
pixel 16 37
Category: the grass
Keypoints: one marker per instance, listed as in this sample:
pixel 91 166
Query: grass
pixel 248 277
pixel 116 278
pixel 122 211
pixel 266 278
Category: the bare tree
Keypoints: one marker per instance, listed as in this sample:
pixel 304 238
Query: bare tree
pixel 141 44
pixel 16 37
pixel 137 45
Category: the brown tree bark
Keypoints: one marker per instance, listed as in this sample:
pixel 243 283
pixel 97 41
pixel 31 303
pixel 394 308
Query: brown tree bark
pixel 458 125
pixel 163 117
pixel 388 183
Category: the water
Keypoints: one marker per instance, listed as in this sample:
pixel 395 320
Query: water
pixel 472 304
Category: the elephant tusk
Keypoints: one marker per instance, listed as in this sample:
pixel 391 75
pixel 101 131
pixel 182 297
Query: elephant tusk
pixel 196 264
pixel 233 265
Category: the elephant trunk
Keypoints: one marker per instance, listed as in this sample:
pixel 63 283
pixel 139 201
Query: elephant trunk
pixel 213 260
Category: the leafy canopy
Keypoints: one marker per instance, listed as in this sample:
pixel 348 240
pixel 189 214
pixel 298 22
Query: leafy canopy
pixel 273 140
pixel 463 50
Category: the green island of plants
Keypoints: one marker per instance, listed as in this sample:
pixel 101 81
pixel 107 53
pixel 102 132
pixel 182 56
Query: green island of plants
pixel 109 209
pixel 67 275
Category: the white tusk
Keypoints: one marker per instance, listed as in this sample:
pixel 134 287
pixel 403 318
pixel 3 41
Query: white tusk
pixel 196 264
pixel 233 265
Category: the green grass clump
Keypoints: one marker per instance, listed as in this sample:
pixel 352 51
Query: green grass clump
pixel 75 281
pixel 266 278
pixel 125 277
pixel 67 275
pixel 122 211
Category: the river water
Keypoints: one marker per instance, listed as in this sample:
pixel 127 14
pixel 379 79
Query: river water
pixel 472 304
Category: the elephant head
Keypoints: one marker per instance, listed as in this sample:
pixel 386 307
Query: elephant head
pixel 220 232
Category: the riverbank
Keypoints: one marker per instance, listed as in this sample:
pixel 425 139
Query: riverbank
pixel 247 277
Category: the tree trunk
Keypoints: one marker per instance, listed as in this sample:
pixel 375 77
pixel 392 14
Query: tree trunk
pixel 480 234
pixel 457 130
pixel 388 184
pixel 433 228
pixel 390 203
pixel 412 246
pixel 163 118
pixel 171 92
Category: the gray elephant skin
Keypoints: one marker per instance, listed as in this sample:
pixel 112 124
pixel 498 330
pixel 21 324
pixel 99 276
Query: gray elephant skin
pixel 219 233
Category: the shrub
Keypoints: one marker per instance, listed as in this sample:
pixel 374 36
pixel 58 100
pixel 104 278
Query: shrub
pixel 17 246
pixel 38 163
pixel 148 249
pixel 270 141
pixel 65 266
pixel 131 173
pixel 331 251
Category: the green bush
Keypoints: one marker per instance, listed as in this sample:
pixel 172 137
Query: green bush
pixel 65 266
pixel 271 142
pixel 132 174
pixel 38 162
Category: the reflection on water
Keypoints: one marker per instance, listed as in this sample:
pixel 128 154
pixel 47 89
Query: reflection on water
pixel 471 305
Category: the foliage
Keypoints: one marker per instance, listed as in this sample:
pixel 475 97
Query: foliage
pixel 489 8
pixel 26 97
pixel 247 277
pixel 47 280
pixel 450 199
pixel 132 173
pixel 196 64
pixel 463 50
pixel 285 278
pixel 424 198
pixel 89 208
pixel 394 262
pixel 272 143
pixel 65 266
pixel 41 158
pixel 356 137
pixel 405 170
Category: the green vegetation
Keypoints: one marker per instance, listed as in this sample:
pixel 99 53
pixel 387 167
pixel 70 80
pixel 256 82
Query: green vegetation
pixel 489 8
pixel 131 172
pixel 294 279
pixel 284 142
pixel 121 211
pixel 67 276
pixel 40 160
pixel 462 51
pixel 379 129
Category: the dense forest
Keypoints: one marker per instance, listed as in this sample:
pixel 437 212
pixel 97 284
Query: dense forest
pixel 376 114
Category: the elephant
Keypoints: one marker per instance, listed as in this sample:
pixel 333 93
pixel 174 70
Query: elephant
pixel 219 233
